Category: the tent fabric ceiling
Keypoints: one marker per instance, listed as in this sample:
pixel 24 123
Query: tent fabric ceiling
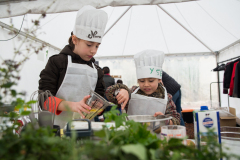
pixel 216 22
pixel 59 6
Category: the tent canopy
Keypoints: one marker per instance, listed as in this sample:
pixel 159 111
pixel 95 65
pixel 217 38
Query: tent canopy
pixel 214 22
pixel 21 7
pixel 144 26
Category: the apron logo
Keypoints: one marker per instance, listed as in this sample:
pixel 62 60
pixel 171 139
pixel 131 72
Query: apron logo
pixel 93 35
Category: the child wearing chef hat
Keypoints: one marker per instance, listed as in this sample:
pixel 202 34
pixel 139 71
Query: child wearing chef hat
pixel 151 97
pixel 71 74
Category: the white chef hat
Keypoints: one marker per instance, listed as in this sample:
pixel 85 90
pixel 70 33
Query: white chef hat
pixel 90 24
pixel 149 64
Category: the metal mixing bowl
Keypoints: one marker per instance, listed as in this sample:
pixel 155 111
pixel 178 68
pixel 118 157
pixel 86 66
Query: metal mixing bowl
pixel 154 123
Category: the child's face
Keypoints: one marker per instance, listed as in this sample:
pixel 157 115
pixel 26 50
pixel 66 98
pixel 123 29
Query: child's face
pixel 85 49
pixel 148 85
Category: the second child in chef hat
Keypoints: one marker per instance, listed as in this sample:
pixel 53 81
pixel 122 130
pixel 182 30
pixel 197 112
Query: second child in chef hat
pixel 149 69
pixel 151 97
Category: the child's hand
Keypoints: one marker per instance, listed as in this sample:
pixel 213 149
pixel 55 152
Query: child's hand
pixel 158 113
pixel 81 106
pixel 122 97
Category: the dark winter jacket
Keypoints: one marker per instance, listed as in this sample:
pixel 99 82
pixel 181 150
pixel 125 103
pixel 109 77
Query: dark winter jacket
pixel 52 76
pixel 236 88
pixel 227 76
pixel 171 85
pixel 108 80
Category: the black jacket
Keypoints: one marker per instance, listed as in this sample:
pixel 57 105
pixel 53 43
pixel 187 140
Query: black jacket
pixel 236 89
pixel 108 80
pixel 171 85
pixel 228 75
pixel 52 76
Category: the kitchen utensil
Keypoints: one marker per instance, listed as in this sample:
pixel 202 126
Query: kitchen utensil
pixel 97 104
pixel 154 123
pixel 175 131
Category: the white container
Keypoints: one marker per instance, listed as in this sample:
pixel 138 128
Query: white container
pixel 173 131
pixel 205 119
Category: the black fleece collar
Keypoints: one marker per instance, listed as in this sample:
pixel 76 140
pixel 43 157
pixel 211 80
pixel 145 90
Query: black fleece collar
pixel 67 50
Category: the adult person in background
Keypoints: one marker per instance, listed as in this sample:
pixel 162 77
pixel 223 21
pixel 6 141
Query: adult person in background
pixel 174 89
pixel 119 81
pixel 108 80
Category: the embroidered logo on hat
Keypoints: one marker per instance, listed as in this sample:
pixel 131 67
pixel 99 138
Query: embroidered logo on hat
pixel 93 35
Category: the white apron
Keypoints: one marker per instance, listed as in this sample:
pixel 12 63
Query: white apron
pixel 77 83
pixel 144 105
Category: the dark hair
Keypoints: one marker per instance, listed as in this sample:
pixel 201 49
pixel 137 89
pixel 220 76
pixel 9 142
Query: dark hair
pixel 106 70
pixel 120 81
pixel 70 42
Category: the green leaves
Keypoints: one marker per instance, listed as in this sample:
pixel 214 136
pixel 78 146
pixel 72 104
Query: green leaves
pixel 14 93
pixel 137 150
pixel 31 102
pixel 34 144
pixel 7 85
pixel 133 141
pixel 25 113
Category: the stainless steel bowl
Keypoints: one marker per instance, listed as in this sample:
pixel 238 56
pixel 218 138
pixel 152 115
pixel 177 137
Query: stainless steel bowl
pixel 148 118
pixel 154 123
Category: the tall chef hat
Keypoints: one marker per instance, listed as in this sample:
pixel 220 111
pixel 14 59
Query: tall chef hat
pixel 149 64
pixel 90 24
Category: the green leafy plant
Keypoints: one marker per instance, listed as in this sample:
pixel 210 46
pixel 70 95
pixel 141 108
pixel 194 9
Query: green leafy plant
pixel 127 140
pixel 132 140
pixel 10 68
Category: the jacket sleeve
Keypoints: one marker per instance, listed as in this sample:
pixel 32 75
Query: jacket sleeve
pixel 48 81
pixel 49 77
pixel 110 92
pixel 171 111
pixel 50 104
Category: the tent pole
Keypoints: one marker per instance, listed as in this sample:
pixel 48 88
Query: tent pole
pixel 185 28
pixel 167 55
pixel 28 36
pixel 218 78
pixel 117 20
pixel 227 47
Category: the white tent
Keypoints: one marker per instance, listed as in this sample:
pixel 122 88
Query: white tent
pixel 210 30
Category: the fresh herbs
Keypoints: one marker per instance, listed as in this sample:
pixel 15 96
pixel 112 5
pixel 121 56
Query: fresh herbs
pixel 128 140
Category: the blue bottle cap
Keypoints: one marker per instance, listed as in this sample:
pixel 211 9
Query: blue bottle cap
pixel 204 108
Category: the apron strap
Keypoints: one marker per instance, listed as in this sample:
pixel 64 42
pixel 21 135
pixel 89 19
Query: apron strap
pixel 166 96
pixel 69 60
pixel 93 66
pixel 136 90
